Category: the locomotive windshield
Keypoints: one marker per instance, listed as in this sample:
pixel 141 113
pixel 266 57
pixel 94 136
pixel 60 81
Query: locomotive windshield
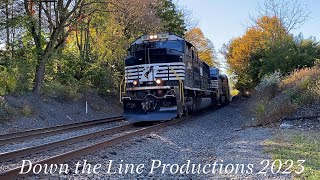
pixel 155 52
pixel 175 45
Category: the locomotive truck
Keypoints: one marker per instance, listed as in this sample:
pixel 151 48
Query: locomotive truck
pixel 164 79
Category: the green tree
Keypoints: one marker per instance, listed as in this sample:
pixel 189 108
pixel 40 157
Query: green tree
pixel 266 48
pixel 243 54
pixel 171 17
pixel 73 43
pixel 288 56
pixel 60 17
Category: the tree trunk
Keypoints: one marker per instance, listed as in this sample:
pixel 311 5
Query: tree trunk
pixel 40 73
pixel 7 26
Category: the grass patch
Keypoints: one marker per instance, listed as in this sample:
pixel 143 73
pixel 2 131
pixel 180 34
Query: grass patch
pixel 293 145
pixel 27 111
pixel 60 92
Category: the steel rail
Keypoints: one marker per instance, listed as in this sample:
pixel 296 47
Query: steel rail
pixel 14 173
pixel 23 135
pixel 35 149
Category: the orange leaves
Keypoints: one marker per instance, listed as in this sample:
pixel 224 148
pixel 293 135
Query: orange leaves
pixel 204 46
pixel 240 52
pixel 267 30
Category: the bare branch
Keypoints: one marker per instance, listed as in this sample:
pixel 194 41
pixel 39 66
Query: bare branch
pixel 291 13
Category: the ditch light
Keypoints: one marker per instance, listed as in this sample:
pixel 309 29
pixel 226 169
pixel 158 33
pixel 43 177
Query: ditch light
pixel 135 82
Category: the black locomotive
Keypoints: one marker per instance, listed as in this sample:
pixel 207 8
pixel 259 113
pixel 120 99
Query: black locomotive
pixel 164 79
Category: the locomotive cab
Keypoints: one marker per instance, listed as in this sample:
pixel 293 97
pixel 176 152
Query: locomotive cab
pixel 153 69
pixel 164 78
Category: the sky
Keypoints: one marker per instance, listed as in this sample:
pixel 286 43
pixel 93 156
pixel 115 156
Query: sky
pixel 222 20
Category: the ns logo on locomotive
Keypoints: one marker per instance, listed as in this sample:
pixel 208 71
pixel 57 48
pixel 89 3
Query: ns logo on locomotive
pixel 164 79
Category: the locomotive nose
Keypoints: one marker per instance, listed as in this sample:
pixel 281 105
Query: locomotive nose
pixel 149 104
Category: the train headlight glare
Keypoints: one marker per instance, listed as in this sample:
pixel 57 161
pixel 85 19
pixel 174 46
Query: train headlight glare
pixel 158 81
pixel 155 36
pixel 135 82
pixel 151 37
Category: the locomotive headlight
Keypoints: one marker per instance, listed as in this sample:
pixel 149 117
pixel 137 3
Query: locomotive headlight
pixel 155 36
pixel 151 37
pixel 158 81
pixel 135 82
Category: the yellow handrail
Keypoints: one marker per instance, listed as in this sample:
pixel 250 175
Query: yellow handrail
pixel 124 89
pixel 180 84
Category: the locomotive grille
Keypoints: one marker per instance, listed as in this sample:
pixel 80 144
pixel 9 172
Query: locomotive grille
pixel 150 72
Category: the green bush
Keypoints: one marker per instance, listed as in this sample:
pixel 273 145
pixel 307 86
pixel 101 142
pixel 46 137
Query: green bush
pixel 275 99
pixel 269 80
pixel 104 79
pixel 61 92
pixel 3 111
pixel 6 111
pixel 8 82
pixel 27 111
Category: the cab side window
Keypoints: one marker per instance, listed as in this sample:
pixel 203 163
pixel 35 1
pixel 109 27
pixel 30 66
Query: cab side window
pixel 189 51
pixel 193 54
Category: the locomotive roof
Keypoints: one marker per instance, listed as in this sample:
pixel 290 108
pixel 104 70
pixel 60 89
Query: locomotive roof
pixel 171 37
pixel 168 36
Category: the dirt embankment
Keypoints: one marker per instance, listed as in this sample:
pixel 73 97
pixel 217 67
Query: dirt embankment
pixel 30 111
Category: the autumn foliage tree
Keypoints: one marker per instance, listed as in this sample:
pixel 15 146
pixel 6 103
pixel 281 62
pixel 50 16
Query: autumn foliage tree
pixel 172 18
pixel 204 46
pixel 268 45
pixel 71 45
pixel 100 41
pixel 264 49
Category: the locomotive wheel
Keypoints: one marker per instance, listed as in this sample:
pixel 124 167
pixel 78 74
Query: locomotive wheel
pixel 193 108
pixel 186 111
pixel 222 100
pixel 227 102
pixel 180 112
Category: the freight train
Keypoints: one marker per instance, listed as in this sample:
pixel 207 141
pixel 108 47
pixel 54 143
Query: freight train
pixel 165 79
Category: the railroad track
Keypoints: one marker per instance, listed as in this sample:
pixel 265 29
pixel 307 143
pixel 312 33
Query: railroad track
pixel 23 135
pixel 35 149
pixel 126 132
pixel 122 133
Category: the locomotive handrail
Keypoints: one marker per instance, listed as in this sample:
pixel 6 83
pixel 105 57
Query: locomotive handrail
pixel 123 81
pixel 180 84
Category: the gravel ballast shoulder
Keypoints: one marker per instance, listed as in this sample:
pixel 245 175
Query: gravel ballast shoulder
pixel 214 137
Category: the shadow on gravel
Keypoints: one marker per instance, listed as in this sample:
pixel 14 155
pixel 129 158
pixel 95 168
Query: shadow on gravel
pixel 197 113
pixel 145 124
